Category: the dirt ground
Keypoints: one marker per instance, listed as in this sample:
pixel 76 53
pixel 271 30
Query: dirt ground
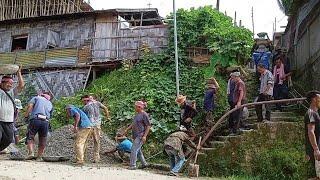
pixel 31 170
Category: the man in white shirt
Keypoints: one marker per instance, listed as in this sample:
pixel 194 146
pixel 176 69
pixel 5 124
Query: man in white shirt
pixel 7 108
pixel 265 92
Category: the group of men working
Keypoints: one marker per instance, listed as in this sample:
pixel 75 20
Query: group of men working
pixel 87 121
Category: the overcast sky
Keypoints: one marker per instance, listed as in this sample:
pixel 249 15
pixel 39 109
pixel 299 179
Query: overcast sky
pixel 265 11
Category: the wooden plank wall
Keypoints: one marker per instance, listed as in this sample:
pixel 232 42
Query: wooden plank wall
pixel 103 43
pixel 72 33
pixel 111 42
pixel 154 37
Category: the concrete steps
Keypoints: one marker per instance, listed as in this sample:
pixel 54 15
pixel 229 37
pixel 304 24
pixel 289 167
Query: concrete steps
pixel 275 116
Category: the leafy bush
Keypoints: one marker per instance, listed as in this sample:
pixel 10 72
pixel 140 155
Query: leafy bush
pixel 279 164
pixel 207 27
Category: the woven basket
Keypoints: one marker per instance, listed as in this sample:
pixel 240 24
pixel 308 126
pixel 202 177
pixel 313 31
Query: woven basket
pixel 8 68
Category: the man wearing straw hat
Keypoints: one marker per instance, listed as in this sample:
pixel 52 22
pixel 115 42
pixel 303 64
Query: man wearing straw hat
pixel 188 112
pixel 7 107
pixel 173 146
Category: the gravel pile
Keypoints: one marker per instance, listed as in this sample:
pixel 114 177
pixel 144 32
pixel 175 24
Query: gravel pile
pixel 61 143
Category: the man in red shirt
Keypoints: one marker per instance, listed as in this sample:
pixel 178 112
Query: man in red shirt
pixel 239 96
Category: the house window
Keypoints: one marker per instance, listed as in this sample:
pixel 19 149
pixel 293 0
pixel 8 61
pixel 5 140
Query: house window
pixel 53 39
pixel 19 43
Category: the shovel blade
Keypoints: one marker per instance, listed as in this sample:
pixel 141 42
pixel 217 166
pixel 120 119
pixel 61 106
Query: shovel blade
pixel 193 170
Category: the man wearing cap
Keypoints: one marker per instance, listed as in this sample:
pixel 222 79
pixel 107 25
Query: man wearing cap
pixel 82 128
pixel 265 92
pixel 188 112
pixel 239 96
pixel 312 133
pixel 92 109
pixel 173 148
pixel 39 112
pixel 7 108
pixel 140 129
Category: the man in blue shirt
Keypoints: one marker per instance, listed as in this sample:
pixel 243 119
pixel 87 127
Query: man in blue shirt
pixel 39 113
pixel 124 146
pixel 82 127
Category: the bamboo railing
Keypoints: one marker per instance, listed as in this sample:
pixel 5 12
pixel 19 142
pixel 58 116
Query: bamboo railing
pixel 223 118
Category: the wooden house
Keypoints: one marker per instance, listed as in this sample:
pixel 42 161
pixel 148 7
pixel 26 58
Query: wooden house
pixel 302 40
pixel 62 44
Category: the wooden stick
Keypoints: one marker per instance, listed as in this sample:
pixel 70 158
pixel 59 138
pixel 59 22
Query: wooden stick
pixel 197 152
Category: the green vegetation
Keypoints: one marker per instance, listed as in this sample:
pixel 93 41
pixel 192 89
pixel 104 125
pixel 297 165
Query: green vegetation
pixel 274 151
pixel 206 27
pixel 280 163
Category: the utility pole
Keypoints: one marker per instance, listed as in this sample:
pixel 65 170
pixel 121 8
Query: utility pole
pixel 240 23
pixel 252 17
pixel 218 5
pixel 273 28
pixel 275 24
pixel 235 18
pixel 176 47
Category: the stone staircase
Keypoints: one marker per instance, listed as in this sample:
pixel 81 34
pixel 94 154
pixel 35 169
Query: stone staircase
pixel 224 151
pixel 222 137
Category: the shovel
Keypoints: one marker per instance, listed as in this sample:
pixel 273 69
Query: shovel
pixel 194 168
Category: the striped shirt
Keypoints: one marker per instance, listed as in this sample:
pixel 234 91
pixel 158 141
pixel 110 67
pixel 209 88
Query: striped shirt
pixel 92 109
pixel 265 80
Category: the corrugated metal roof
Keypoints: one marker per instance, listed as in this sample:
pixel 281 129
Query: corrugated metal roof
pixel 7 58
pixel 30 59
pixel 36 59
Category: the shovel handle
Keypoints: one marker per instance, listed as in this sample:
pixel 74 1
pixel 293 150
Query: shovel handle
pixel 197 151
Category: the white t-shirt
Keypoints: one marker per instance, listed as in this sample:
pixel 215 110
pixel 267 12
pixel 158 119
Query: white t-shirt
pixel 6 106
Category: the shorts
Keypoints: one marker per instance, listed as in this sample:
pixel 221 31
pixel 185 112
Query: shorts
pixel 38 126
